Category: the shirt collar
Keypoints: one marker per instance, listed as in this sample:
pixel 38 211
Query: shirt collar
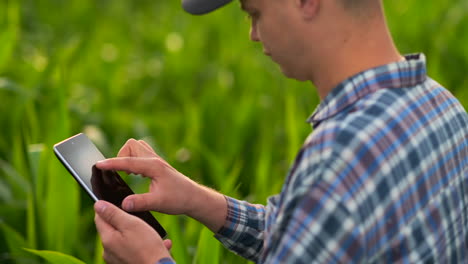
pixel 406 73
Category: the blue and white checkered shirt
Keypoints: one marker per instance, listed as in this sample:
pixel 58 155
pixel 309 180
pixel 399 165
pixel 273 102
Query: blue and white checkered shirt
pixel 383 178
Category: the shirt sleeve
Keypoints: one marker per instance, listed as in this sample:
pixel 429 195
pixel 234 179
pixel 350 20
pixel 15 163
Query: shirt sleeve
pixel 165 261
pixel 314 227
pixel 243 231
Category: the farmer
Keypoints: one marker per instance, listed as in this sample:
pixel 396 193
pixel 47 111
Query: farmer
pixel 383 177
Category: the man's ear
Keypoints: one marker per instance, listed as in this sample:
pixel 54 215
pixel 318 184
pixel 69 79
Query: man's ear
pixel 309 8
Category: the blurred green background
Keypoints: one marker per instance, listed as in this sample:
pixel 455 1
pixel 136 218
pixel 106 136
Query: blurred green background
pixel 195 88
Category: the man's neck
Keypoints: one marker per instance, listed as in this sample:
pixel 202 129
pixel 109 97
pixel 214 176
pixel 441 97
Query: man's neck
pixel 353 51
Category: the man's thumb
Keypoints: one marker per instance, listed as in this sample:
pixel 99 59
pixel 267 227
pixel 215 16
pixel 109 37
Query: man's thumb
pixel 110 213
pixel 139 202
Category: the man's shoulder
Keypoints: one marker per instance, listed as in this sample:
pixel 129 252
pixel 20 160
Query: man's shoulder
pixel 391 132
pixel 382 120
pixel 358 121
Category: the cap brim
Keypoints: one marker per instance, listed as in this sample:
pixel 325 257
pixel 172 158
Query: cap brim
pixel 200 7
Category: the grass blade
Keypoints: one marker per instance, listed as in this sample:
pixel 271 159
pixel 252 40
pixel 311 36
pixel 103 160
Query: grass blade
pixel 55 257
pixel 208 249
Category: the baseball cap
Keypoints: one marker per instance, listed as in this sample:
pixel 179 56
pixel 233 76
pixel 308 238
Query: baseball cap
pixel 200 7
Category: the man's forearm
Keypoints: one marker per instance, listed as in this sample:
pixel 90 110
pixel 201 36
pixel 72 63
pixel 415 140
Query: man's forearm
pixel 209 208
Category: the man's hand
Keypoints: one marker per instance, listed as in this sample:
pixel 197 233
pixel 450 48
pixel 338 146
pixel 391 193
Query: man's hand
pixel 171 192
pixel 126 238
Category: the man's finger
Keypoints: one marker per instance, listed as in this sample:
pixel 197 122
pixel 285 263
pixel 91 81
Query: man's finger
pixel 140 202
pixel 134 148
pixel 148 147
pixel 111 215
pixel 168 244
pixel 145 166
pixel 103 228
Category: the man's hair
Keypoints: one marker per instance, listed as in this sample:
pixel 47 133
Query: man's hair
pixel 360 7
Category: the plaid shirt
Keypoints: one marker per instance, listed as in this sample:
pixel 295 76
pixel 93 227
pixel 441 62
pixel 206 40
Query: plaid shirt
pixel 383 178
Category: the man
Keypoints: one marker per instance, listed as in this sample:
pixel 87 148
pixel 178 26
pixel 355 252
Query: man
pixel 382 178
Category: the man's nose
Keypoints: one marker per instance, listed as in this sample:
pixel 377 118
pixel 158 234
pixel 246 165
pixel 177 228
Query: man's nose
pixel 253 34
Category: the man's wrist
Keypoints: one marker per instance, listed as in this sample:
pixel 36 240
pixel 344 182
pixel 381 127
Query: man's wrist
pixel 157 254
pixel 209 207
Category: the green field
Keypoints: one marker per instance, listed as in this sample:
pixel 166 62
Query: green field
pixel 195 88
